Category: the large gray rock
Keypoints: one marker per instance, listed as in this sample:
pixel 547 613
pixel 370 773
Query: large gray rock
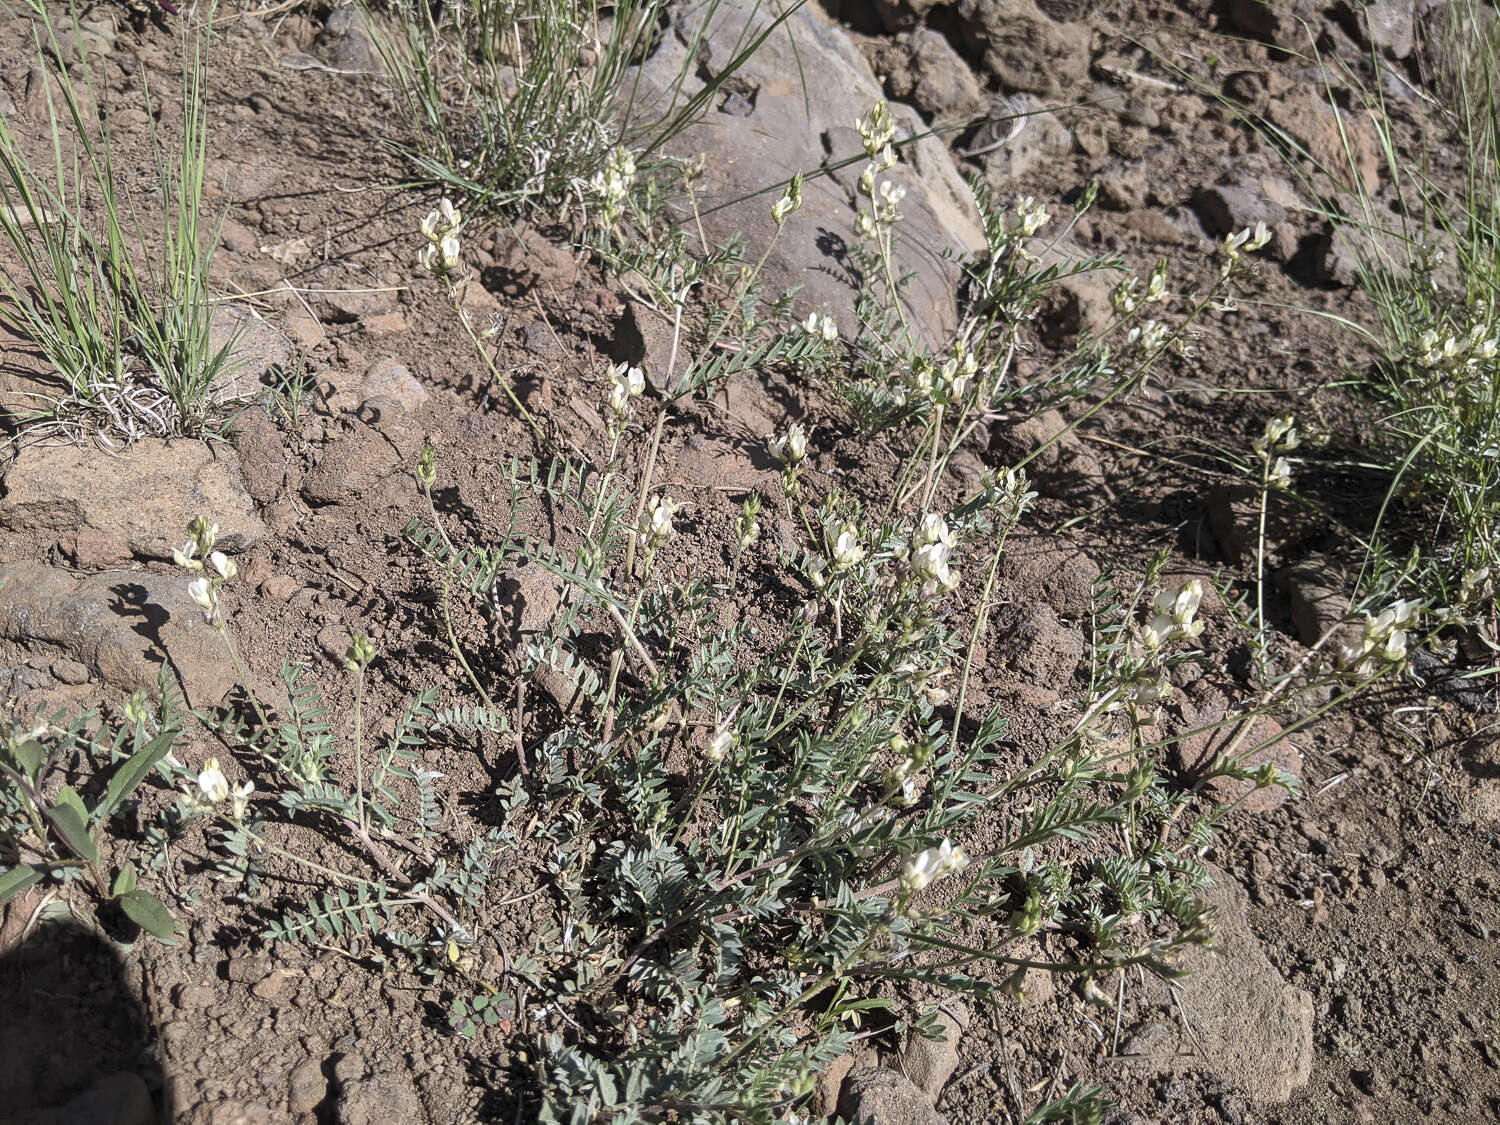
pixel 121 624
pixel 145 494
pixel 768 124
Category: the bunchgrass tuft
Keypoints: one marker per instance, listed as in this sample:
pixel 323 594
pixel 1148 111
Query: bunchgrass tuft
pixel 115 297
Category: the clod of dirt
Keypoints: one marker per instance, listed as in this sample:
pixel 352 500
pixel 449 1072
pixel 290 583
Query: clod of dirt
pixel 306 1086
pixel 878 1096
pixel 1038 645
pixel 1235 205
pixel 253 348
pixel 921 67
pixel 263 462
pixel 389 377
pixel 1336 142
pixel 1065 467
pixel 345 43
pixel 379 1098
pixel 1317 597
pixel 1035 137
pixel 1389 27
pixel 792 128
pixel 146 494
pixel 525 260
pixel 1233 515
pixel 1288 26
pixel 1196 754
pixel 350 466
pixel 1014 40
pixel 930 1063
pixel 88 548
pixel 1059 573
pixel 644 340
pixel 1256 1030
pixel 825 1099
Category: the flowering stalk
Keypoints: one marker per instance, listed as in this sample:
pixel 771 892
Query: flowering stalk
pixel 442 257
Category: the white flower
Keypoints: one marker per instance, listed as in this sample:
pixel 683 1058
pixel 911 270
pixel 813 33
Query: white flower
pixel 634 380
pixel 656 521
pixel 1157 630
pixel 892 193
pixel 720 744
pixel 790 448
pixel 1174 608
pixel 1280 436
pixel 1393 651
pixel 1181 603
pixel 930 560
pixel 213 786
pixel 223 566
pixel 821 327
pixel 619 400
pixel 933 528
pixel 202 591
pixel 788 204
pixel 1148 336
pixel 1280 474
pixel 239 798
pixel 843 546
pixel 876 128
pixel 922 869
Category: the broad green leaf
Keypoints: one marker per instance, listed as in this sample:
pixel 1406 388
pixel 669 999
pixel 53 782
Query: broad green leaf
pixel 72 827
pixel 17 879
pixel 132 772
pixel 67 795
pixel 29 756
pixel 146 911
pixel 125 880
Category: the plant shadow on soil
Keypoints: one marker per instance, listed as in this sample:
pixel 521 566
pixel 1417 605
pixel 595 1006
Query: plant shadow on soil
pixel 75 1040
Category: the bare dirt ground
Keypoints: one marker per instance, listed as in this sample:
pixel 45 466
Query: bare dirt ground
pixel 1361 980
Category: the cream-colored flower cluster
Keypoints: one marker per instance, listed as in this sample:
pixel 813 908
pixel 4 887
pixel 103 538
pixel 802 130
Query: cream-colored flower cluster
pixel 440 257
pixel 656 520
pixel 611 185
pixel 210 790
pixel 931 547
pixel 926 867
pixel 214 567
pixel 1174 616
pixel 821 327
pixel 1382 642
pixel 876 130
pixel 1280 436
pixel 625 383
pixel 1244 241
pixel 1126 297
pixel 790 450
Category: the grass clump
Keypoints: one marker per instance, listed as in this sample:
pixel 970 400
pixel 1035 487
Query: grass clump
pixel 532 104
pixel 114 296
